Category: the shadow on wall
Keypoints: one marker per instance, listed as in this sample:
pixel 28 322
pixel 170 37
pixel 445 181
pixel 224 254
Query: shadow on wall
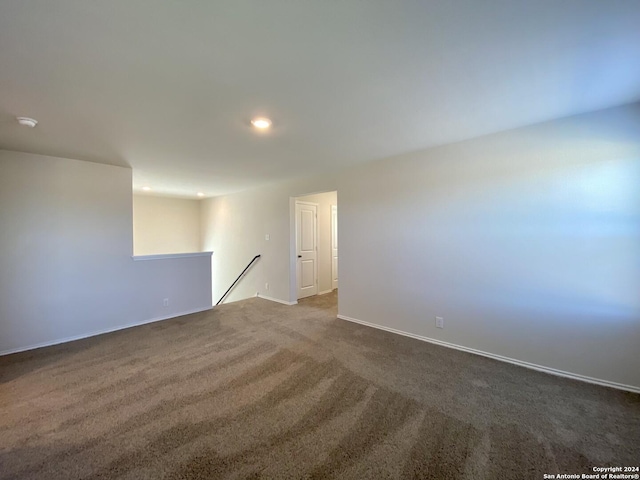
pixel 569 234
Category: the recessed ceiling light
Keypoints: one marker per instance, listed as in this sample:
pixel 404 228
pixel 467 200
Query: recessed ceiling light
pixel 27 122
pixel 261 123
pixel 146 189
pixel 200 194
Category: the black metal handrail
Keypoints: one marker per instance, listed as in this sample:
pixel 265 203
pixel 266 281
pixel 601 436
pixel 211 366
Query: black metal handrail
pixel 236 280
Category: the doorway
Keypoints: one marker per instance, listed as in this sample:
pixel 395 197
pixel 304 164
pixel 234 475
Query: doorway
pixel 334 247
pixel 314 247
pixel 306 248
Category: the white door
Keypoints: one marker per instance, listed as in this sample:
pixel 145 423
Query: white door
pixel 307 248
pixel 334 247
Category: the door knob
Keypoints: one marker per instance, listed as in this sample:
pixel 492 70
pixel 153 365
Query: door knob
pixel 299 256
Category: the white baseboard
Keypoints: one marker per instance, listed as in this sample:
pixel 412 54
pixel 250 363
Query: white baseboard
pixel 325 292
pixel 277 300
pixel 532 366
pixel 100 332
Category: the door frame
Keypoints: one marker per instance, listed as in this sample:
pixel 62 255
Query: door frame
pixel 295 251
pixel 334 227
pixel 293 274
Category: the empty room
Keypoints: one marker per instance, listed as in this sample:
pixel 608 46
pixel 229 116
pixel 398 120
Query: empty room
pixel 311 239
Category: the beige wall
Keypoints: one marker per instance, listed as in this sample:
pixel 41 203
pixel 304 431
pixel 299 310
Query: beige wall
pixel 324 201
pixel 66 269
pixel 234 228
pixel 165 225
pixel 527 242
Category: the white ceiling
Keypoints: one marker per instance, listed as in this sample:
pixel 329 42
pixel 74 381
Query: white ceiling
pixel 169 87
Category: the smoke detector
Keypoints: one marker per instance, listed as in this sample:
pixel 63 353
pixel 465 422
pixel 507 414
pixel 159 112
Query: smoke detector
pixel 27 122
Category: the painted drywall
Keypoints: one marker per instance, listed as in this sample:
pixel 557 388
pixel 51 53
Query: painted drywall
pixel 66 269
pixel 165 225
pixel 324 202
pixel 527 242
pixel 234 228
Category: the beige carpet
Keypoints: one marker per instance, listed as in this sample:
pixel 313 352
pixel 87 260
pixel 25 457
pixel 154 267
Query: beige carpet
pixel 255 389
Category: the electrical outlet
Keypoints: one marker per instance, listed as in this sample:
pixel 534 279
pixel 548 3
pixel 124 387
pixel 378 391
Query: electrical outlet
pixel 439 322
pixel 267 237
pixel 165 302
pixel 266 286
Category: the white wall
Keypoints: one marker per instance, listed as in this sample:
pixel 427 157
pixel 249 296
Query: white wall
pixel 234 228
pixel 324 201
pixel 65 255
pixel 527 242
pixel 165 225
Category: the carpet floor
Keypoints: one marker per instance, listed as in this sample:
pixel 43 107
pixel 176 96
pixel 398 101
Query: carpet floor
pixel 255 389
